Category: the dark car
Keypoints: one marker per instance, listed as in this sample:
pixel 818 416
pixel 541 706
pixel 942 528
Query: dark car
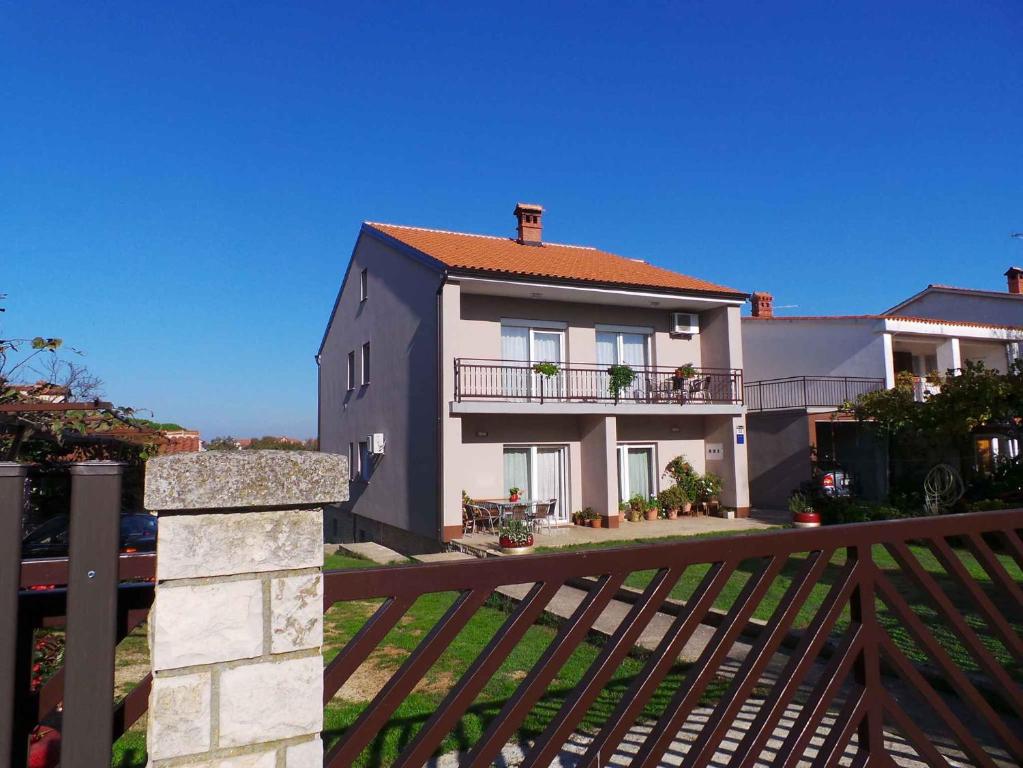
pixel 138 534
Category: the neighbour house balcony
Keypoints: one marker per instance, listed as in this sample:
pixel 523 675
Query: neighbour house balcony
pixel 807 392
pixel 516 381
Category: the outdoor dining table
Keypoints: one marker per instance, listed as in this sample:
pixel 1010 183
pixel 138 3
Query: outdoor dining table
pixel 506 508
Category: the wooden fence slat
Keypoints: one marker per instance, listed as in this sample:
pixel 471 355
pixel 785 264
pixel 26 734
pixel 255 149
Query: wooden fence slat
pixel 87 727
pixel 12 490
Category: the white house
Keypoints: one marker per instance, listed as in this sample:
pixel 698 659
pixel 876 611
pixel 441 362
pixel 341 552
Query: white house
pixel 799 370
pixel 451 325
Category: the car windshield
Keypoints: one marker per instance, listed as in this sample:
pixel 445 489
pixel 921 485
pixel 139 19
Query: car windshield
pixel 53 531
pixel 137 527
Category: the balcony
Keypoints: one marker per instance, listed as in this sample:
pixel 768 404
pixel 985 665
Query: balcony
pixel 807 392
pixel 512 381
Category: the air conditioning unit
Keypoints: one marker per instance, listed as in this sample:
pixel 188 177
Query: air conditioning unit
pixel 375 443
pixel 685 322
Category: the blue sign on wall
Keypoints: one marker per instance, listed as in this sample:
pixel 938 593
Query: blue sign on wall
pixel 740 439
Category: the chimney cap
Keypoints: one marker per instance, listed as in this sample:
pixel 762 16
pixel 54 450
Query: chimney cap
pixel 530 207
pixel 1014 271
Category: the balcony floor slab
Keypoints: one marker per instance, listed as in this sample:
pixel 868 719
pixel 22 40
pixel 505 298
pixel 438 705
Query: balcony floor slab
pixel 604 409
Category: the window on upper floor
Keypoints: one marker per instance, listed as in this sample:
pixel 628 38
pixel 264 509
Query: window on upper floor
pixel 353 462
pixel 623 345
pixel 351 370
pixel 364 285
pixel 364 461
pixel 365 364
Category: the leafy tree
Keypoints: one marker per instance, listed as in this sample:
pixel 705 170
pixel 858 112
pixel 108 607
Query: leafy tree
pixel 271 443
pixel 225 443
pixel 944 424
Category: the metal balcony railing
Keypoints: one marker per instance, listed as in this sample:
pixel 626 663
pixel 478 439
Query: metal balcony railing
pixel 807 392
pixel 516 381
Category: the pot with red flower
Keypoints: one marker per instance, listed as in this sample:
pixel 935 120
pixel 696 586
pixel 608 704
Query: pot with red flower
pixel 515 537
pixel 803 514
pixel 513 494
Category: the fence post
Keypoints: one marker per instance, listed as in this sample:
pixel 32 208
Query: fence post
pixel 87 728
pixel 12 502
pixel 867 668
pixel 236 629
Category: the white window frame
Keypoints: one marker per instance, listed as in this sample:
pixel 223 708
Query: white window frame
pixel 561 515
pixel 625 493
pixel 366 360
pixel 364 461
pixel 354 470
pixel 364 285
pixel 618 330
pixel 351 370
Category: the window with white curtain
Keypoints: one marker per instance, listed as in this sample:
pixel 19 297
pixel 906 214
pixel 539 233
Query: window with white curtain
pixel 540 472
pixel 522 345
pixel 636 471
pixel 624 346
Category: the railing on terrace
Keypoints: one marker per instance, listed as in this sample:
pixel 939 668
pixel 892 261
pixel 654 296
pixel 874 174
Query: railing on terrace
pixel 516 381
pixel 93 600
pixel 807 391
pixel 861 641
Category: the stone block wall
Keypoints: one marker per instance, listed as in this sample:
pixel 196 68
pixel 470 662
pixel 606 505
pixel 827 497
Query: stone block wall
pixel 236 627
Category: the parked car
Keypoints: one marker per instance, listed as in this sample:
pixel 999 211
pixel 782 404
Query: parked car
pixel 138 534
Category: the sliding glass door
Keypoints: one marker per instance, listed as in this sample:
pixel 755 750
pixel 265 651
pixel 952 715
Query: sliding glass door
pixel 523 347
pixel 636 471
pixel 540 472
pixel 624 348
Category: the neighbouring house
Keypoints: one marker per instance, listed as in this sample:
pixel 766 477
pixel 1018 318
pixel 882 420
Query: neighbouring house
pixel 426 378
pixel 800 370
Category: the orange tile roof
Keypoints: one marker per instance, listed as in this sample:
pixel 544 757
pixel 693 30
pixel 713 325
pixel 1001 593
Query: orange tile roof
pixel 909 318
pixel 501 255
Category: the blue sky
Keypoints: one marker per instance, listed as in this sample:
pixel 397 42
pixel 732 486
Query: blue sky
pixel 181 183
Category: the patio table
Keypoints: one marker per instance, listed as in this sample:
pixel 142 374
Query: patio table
pixel 505 507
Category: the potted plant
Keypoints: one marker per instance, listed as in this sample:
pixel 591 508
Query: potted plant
pixel 709 492
pixel 687 479
pixel 672 501
pixel 803 515
pixel 515 538
pixel 621 376
pixel 682 373
pixel 593 519
pixel 646 507
pixel 513 494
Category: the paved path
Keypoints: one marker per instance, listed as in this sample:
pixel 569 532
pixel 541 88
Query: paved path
pixel 377 553
pixel 567 535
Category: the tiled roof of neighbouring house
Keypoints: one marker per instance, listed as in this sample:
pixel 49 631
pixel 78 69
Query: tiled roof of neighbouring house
pixel 576 263
pixel 908 318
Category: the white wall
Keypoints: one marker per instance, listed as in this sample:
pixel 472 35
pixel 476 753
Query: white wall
pixel 998 310
pixel 779 348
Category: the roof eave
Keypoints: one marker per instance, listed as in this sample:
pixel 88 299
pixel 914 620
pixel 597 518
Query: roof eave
pixel 524 278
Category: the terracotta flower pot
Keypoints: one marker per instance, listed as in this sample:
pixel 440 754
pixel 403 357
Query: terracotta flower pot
pixel 597 522
pixel 806 519
pixel 687 508
pixel 651 514
pixel 515 497
pixel 44 749
pixel 672 513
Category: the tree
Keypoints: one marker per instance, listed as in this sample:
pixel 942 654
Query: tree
pixel 271 443
pixel 224 443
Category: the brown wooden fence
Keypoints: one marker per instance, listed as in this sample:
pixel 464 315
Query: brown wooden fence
pixel 97 595
pixel 907 630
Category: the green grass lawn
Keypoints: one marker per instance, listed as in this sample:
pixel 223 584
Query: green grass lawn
pixel 342 621
pixel 904 582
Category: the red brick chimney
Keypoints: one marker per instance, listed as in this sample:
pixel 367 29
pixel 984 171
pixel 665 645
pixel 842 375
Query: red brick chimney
pixel 763 304
pixel 1015 277
pixel 530 223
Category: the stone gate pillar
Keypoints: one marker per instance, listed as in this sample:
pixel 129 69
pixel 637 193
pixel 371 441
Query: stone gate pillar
pixel 236 628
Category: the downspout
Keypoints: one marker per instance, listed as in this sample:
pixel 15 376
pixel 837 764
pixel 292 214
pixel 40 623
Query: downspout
pixel 439 491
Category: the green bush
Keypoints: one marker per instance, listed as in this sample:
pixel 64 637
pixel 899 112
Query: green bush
pixel 835 511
